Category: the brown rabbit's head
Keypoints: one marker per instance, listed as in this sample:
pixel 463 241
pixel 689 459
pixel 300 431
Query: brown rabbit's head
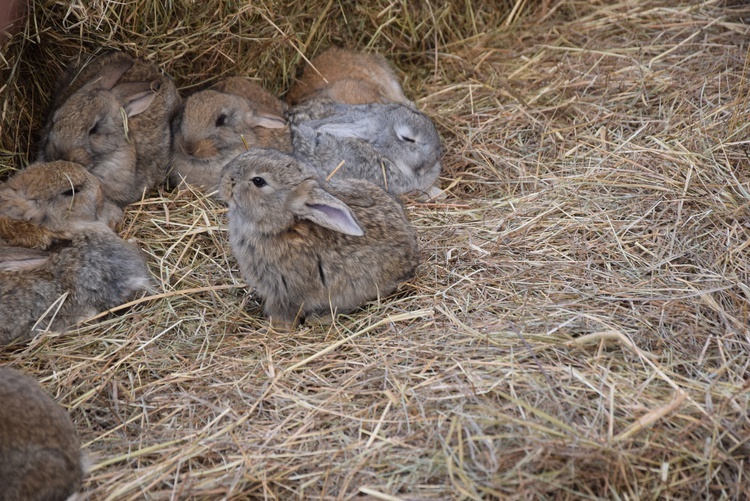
pixel 213 124
pixel 217 124
pixel 57 196
pixel 272 190
pixel 91 127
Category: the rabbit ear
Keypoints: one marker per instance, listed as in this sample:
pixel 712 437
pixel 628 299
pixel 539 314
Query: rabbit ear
pixel 361 129
pixel 23 264
pixel 265 120
pixel 138 103
pixel 110 75
pixel 21 259
pixel 324 209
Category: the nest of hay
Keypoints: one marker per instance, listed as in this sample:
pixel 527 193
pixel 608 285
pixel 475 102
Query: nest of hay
pixel 578 327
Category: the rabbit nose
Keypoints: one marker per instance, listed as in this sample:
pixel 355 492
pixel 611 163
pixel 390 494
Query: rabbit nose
pixel 189 148
pixel 201 149
pixel 69 155
pixel 79 156
pixel 15 213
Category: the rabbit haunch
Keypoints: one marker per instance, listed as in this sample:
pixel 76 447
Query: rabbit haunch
pixel 391 145
pixel 113 115
pixel 310 247
pixel 95 271
pixel 47 200
pixel 347 76
pixel 217 124
pixel 40 454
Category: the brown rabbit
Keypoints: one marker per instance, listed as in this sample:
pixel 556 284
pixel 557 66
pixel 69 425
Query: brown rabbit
pixel 95 271
pixel 40 455
pixel 46 200
pixel 209 130
pixel 113 115
pixel 349 77
pixel 311 248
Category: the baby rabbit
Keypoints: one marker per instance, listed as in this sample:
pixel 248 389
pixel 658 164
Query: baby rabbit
pixel 309 247
pixel 391 145
pixel 94 272
pixel 40 455
pixel 209 130
pixel 347 76
pixel 113 116
pixel 46 200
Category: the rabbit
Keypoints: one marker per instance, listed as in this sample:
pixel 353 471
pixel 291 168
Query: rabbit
pixel 391 145
pixel 312 248
pixel 350 77
pixel 209 130
pixel 45 200
pixel 40 454
pixel 113 116
pixel 95 271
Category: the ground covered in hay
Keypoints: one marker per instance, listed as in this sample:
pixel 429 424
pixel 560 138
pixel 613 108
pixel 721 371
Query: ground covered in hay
pixel 578 327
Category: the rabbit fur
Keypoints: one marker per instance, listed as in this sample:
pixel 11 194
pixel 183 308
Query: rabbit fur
pixel 47 200
pixel 348 76
pixel 209 130
pixel 95 271
pixel 40 454
pixel 113 115
pixel 394 146
pixel 310 247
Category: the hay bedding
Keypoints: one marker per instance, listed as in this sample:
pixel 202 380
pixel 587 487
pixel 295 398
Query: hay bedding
pixel 578 327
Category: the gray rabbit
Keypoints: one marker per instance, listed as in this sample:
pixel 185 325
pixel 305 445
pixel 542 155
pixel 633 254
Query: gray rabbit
pixel 311 247
pixel 95 271
pixel 392 145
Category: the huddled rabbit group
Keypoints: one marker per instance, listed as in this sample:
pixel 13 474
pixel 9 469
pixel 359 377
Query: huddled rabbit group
pixel 311 184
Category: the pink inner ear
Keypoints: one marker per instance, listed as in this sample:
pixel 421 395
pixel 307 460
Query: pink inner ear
pixel 267 121
pixel 335 219
pixel 139 103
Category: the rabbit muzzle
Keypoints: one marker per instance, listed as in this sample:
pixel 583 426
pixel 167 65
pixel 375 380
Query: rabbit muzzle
pixel 78 155
pixel 24 210
pixel 201 149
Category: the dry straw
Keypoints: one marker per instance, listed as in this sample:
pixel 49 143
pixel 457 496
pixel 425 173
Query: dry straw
pixel 578 328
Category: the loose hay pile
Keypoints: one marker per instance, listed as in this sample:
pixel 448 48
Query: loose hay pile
pixel 578 327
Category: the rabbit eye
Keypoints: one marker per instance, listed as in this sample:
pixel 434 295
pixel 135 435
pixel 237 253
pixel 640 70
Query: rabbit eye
pixel 259 182
pixel 405 133
pixel 70 192
pixel 221 120
pixel 94 129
